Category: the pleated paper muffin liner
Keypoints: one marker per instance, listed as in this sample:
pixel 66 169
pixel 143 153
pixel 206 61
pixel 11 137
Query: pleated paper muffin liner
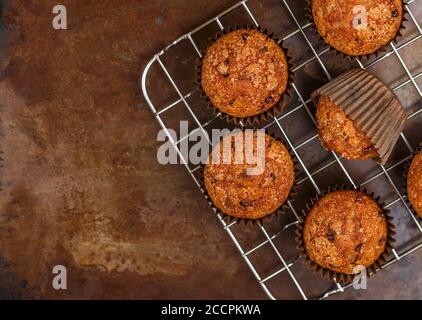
pixel 284 207
pixel 405 173
pixel 370 104
pixel 363 58
pixel 276 110
pixel 330 274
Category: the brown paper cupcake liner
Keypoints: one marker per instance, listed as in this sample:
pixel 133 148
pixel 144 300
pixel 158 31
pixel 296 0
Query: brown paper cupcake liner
pixel 372 106
pixel 406 171
pixel 276 110
pixel 277 213
pixel 1 168
pixel 381 51
pixel 327 273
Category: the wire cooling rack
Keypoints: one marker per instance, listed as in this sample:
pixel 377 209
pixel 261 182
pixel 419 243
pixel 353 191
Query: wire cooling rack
pixel 269 249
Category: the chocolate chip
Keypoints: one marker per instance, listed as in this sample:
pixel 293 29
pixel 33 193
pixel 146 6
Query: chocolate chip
pixel 226 61
pixel 263 49
pixel 330 235
pixel 245 203
pixel 368 149
pixel 226 74
pixel 395 13
pixel 244 36
pixel 273 176
pixel 269 99
pixel 358 247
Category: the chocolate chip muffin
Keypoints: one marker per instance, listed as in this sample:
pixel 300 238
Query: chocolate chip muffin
pixel 238 193
pixel 414 183
pixel 358 116
pixel 345 231
pixel 357 27
pixel 244 73
pixel 337 132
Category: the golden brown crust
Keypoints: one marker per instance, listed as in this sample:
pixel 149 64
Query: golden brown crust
pixel 245 196
pixel 414 184
pixel 334 22
pixel 338 133
pixel 244 73
pixel 345 231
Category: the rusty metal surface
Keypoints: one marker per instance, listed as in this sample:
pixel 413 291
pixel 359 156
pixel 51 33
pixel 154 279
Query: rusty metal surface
pixel 81 183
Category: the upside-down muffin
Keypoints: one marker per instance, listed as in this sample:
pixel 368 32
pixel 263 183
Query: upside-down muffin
pixel 244 73
pixel 237 191
pixel 357 27
pixel 414 184
pixel 345 231
pixel 359 116
pixel 337 132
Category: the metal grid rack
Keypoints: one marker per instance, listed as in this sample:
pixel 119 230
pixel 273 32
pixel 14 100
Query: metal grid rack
pixel 284 265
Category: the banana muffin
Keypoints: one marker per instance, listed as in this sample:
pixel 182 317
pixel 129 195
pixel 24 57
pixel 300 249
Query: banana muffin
pixel 345 231
pixel 337 132
pixel 357 27
pixel 244 73
pixel 414 183
pixel 238 193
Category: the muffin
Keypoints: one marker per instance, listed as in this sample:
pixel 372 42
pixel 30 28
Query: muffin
pixel 345 231
pixel 244 73
pixel 339 133
pixel 414 183
pixel 341 23
pixel 241 195
pixel 358 116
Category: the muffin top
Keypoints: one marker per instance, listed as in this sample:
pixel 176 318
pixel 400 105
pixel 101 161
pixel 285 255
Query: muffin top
pixel 338 133
pixel 345 231
pixel 244 73
pixel 239 194
pixel 414 183
pixel 339 22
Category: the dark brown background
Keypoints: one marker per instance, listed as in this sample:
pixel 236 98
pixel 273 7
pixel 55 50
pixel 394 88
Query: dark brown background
pixel 81 183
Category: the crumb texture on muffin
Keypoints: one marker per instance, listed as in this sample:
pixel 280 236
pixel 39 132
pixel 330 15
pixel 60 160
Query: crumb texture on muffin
pixel 345 231
pixel 244 73
pixel 337 132
pixel 414 183
pixel 334 20
pixel 241 195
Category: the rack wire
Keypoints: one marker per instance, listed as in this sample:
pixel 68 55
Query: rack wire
pixel 283 264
